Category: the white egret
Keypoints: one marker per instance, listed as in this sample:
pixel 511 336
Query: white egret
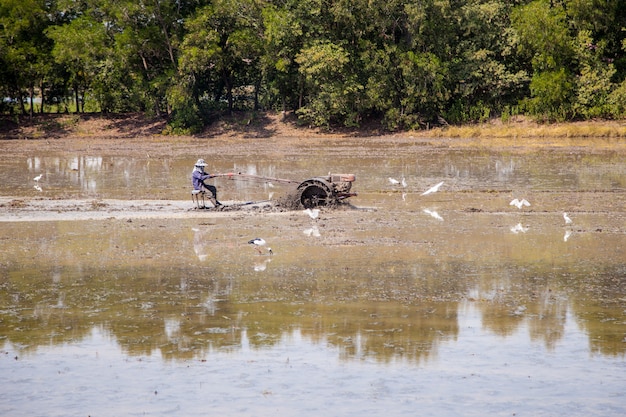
pixel 567 219
pixel 433 213
pixel 393 181
pixel 404 184
pixel 38 177
pixel 519 203
pixel 433 189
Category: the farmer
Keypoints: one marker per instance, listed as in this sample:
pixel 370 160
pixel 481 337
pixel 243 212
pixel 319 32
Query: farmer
pixel 197 178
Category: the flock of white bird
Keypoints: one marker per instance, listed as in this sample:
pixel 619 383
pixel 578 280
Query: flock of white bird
pixel 259 243
pixel 314 214
pixel 518 228
pixel 519 203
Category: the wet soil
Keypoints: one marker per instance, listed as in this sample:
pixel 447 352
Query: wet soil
pixel 274 134
pixel 376 306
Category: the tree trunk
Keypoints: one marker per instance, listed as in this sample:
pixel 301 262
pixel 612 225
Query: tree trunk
pixel 257 86
pixel 159 16
pixel 229 91
pixel 76 98
pixel 31 96
pixel 22 105
pixel 229 96
pixel 43 96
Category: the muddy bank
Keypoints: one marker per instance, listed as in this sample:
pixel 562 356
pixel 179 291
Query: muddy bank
pixel 519 131
pixel 21 210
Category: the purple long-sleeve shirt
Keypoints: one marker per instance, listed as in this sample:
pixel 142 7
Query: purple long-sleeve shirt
pixel 197 179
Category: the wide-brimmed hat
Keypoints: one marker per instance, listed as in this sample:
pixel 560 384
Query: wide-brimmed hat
pixel 201 163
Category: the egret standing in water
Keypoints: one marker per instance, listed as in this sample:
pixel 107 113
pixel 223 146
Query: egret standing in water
pixel 567 219
pixel 393 181
pixel 258 242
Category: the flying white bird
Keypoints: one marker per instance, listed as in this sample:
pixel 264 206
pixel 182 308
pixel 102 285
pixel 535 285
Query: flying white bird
pixel 433 214
pixel 393 181
pixel 313 213
pixel 519 228
pixel 404 184
pixel 567 219
pixel 258 242
pixel 519 203
pixel 38 177
pixel 433 189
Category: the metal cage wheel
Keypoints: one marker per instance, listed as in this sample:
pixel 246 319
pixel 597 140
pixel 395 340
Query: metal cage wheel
pixel 316 192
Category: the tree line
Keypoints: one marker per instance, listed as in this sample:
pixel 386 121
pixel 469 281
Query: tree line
pixel 406 63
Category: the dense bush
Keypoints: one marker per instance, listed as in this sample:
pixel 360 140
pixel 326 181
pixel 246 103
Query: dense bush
pixel 409 64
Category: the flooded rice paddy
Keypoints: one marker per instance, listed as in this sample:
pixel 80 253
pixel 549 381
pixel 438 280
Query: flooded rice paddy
pixel 396 303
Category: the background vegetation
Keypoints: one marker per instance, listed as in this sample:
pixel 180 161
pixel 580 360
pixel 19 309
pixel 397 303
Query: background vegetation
pixel 407 63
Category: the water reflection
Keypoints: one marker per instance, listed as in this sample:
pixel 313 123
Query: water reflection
pixel 201 242
pixel 150 309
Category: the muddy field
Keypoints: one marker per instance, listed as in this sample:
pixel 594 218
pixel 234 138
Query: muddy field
pixel 451 303
pixel 273 136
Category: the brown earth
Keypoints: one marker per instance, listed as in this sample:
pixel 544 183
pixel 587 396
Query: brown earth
pixel 135 135
pixel 269 124
pixel 246 125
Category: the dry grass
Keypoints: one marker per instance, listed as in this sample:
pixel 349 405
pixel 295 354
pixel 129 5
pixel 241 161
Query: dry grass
pixel 523 128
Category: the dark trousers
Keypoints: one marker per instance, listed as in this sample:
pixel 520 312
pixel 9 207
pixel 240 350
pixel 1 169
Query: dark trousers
pixel 211 189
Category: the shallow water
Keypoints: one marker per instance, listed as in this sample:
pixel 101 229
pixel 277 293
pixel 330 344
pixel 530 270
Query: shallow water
pixel 371 309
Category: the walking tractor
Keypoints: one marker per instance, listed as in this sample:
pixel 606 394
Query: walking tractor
pixel 315 192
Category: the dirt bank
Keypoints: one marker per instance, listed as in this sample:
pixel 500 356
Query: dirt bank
pixel 270 124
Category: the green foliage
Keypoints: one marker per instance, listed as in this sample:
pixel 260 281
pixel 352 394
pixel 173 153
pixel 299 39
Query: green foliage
pixel 544 36
pixel 461 112
pixel 407 63
pixel 334 94
pixel 552 93
pixel 184 121
pixel 616 102
pixel 185 118
pixel 594 81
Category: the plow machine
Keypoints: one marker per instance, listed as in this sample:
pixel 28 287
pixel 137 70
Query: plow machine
pixel 314 192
